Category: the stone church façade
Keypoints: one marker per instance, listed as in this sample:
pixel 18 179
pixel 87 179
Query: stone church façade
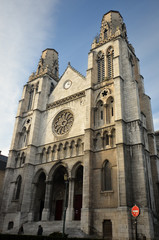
pixel 96 129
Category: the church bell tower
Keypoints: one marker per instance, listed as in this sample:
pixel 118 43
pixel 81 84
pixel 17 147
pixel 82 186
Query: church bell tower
pixel 122 167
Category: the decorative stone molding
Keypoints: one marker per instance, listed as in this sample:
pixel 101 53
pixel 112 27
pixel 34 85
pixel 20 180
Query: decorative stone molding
pixel 66 100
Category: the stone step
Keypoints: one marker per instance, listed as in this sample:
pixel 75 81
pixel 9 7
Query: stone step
pixel 72 228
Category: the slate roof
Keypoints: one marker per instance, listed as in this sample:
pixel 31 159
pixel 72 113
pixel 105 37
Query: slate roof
pixel 3 162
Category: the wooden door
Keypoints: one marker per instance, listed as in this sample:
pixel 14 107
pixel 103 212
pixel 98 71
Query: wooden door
pixel 59 210
pixel 77 207
pixel 107 229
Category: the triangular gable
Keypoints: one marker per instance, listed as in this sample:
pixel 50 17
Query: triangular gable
pixel 71 82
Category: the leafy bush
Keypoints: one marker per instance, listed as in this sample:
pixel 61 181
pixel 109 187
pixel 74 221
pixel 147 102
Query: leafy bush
pixel 58 235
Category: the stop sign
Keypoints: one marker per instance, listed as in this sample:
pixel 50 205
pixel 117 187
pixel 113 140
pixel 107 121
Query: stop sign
pixel 135 211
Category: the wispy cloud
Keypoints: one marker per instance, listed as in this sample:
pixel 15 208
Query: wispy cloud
pixel 24 28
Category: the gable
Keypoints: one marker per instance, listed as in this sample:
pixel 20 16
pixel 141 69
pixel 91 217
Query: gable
pixel 70 83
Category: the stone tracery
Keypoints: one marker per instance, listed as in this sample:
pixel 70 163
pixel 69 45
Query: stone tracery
pixel 63 122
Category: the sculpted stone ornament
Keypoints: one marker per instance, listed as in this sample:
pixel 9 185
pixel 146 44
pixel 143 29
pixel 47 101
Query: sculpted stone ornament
pixel 63 122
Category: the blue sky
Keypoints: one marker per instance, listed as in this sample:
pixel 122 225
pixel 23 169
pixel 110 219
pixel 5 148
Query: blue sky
pixel 27 27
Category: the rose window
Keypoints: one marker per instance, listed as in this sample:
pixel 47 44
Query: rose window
pixel 63 122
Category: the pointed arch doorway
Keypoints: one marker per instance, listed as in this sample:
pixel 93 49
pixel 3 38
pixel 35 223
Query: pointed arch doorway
pixel 39 197
pixel 78 192
pixel 58 194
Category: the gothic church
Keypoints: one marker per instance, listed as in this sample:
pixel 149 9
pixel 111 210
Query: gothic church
pixel 93 133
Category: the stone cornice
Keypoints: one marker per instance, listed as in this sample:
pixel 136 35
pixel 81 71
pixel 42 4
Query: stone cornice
pixel 66 100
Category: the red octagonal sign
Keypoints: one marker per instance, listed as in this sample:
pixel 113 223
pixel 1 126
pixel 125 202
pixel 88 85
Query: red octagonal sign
pixel 135 211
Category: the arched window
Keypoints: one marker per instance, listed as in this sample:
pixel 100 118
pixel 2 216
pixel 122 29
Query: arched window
pixel 105 33
pixel 37 87
pixel 31 93
pixel 22 158
pixel 79 147
pixel 66 150
pixel 73 149
pixel 51 87
pixel 49 154
pixel 100 113
pixel 106 176
pixel 98 142
pixel 110 110
pixel 23 138
pixel 54 153
pixel 60 153
pixel 113 138
pixel 39 68
pixel 132 64
pixel 56 71
pixel 110 55
pixel 101 67
pixel 10 225
pixel 43 155
pixel 17 160
pixel 106 139
pixel 18 184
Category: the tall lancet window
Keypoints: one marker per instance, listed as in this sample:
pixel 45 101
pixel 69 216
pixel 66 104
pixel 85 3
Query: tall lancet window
pixel 101 66
pixel 105 34
pixel 106 176
pixel 17 188
pixel 110 70
pixel 31 93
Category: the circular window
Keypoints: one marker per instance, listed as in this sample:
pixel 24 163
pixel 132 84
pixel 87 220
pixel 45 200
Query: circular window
pixel 63 122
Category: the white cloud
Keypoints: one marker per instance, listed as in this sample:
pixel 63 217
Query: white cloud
pixel 24 28
pixel 156 120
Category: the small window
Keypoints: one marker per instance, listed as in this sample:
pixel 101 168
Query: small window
pixel 107 139
pixel 105 33
pixel 56 71
pixel 51 87
pixel 112 112
pixel 101 114
pixel 37 87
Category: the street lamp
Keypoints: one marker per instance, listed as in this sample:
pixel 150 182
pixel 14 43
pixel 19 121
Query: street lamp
pixel 65 203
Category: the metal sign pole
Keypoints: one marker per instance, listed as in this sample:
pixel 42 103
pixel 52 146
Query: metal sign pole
pixel 135 211
pixel 136 228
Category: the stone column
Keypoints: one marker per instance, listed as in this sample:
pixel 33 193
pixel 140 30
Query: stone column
pixel 70 209
pixel 87 197
pixel 31 212
pixel 46 210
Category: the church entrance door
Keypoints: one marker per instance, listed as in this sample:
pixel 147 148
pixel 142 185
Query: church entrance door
pixel 77 207
pixel 57 194
pixel 59 210
pixel 39 197
pixel 78 191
